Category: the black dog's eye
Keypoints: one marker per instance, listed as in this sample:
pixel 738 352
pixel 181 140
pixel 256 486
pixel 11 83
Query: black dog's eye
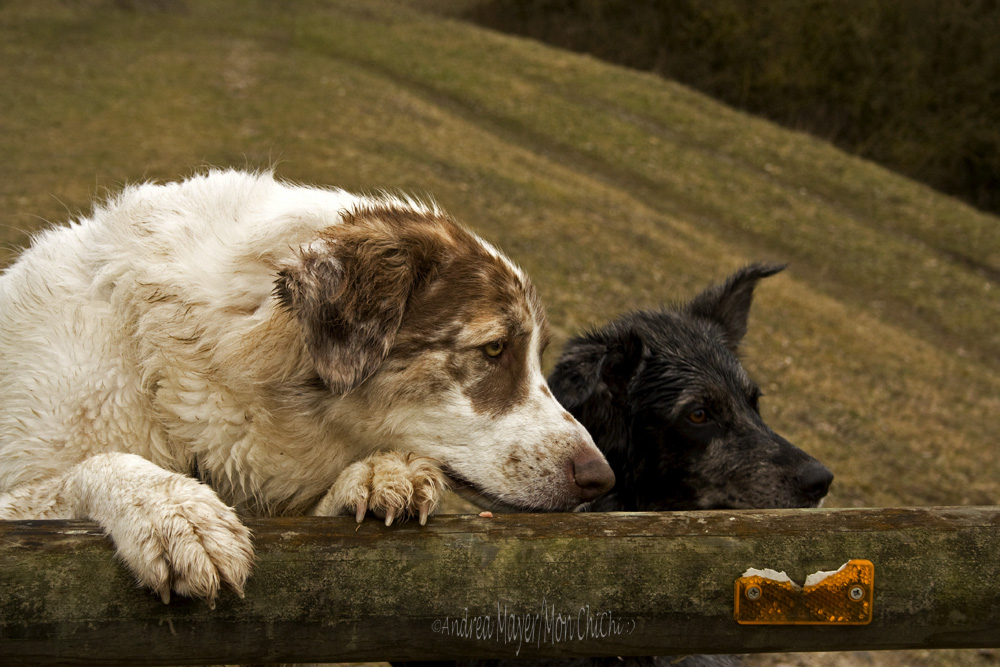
pixel 494 349
pixel 698 416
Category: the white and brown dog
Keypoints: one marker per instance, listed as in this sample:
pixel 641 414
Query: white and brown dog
pixel 231 342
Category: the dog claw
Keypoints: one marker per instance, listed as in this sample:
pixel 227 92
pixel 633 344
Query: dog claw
pixel 165 595
pixel 424 511
pixel 393 485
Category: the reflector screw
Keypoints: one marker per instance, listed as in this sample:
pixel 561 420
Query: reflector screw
pixel 753 593
pixel 856 593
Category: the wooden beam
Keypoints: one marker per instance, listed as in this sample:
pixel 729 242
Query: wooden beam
pixel 509 586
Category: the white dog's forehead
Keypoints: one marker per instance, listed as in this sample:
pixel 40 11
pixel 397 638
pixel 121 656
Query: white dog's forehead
pixel 478 304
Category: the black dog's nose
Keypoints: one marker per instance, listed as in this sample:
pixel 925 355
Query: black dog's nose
pixel 814 481
pixel 593 475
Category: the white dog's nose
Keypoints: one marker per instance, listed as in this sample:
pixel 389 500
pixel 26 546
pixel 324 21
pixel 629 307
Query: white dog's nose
pixel 592 475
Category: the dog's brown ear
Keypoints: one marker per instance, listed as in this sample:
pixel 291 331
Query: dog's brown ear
pixel 728 304
pixel 349 291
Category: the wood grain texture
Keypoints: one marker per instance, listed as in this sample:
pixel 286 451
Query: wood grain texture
pixel 508 586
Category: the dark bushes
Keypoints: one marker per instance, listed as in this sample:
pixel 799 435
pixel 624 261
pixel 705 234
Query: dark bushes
pixel 914 85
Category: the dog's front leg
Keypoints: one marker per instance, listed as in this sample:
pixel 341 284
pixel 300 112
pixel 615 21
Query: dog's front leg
pixel 390 484
pixel 172 531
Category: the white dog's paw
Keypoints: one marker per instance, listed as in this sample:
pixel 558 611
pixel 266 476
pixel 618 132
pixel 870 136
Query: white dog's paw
pixel 394 485
pixel 187 541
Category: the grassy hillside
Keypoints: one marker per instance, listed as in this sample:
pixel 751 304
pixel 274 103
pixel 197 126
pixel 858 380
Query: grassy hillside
pixel 877 348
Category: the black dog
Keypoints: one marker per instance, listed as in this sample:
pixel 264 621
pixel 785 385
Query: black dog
pixel 668 403
pixel 666 399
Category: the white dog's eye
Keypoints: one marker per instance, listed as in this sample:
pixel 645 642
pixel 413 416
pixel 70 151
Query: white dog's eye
pixel 494 349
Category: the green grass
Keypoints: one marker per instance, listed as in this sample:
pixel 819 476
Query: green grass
pixel 615 190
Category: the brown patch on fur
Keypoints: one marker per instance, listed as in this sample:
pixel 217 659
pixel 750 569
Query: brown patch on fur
pixel 350 288
pixel 505 384
pixel 471 300
pixel 417 295
pixel 544 331
pixel 417 377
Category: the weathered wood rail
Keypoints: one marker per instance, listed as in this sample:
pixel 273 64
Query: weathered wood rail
pixel 512 585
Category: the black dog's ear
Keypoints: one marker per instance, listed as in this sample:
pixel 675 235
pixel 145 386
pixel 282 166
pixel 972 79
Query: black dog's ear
pixel 621 362
pixel 728 304
pixel 577 372
pixel 592 366
pixel 349 291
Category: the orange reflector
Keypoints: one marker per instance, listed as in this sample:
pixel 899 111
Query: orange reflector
pixel 842 597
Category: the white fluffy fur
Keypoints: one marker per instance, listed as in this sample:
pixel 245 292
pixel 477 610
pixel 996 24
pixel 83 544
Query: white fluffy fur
pixel 144 347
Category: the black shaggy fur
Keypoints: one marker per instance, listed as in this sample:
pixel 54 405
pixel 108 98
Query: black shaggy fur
pixel 666 399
